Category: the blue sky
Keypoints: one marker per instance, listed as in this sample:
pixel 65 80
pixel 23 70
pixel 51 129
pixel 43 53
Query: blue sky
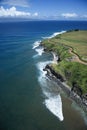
pixel 44 9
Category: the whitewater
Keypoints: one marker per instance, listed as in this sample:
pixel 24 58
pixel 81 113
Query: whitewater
pixel 52 101
pixel 29 100
pixel 50 90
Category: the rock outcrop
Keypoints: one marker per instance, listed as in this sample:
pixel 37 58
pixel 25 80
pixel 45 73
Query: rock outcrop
pixel 58 76
pixel 74 93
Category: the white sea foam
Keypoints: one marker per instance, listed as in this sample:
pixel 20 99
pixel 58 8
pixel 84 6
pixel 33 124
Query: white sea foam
pixel 54 104
pixel 36 44
pixel 54 34
pixel 53 100
pixel 41 66
pixel 40 51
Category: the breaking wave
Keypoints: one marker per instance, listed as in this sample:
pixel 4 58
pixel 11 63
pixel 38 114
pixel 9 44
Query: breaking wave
pixel 54 34
pixel 38 48
pixel 54 104
pixel 40 51
pixel 36 44
pixel 53 100
pixel 50 89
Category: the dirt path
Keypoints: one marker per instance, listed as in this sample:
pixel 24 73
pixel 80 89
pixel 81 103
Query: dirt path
pixel 76 58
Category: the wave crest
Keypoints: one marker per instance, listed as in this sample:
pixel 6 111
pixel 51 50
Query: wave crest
pixel 36 44
pixel 54 34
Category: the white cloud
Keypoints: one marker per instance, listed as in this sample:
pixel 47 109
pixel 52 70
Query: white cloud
pixel 35 14
pixel 13 12
pixel 69 15
pixel 22 3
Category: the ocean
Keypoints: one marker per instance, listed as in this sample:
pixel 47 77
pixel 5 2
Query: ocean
pixel 28 99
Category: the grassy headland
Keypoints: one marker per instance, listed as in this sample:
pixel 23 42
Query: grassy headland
pixel 71 47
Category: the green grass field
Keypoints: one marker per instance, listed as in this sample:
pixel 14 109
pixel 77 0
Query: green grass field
pixel 75 39
pixel 72 71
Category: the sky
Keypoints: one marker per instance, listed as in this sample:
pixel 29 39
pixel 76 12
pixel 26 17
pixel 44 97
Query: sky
pixel 44 9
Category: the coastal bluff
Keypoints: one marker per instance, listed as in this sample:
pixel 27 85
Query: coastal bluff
pixel 70 72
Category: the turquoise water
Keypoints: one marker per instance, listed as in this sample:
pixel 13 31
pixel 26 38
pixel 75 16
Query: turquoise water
pixel 28 100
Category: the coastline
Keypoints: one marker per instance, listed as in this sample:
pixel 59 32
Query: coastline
pixel 71 93
pixel 25 88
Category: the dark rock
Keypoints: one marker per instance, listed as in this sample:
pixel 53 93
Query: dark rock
pixel 58 76
pixel 76 30
pixel 45 49
pixel 84 98
pixel 44 69
pixel 72 30
pixel 59 59
pixel 76 89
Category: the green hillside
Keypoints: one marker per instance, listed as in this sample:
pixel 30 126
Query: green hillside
pixel 71 48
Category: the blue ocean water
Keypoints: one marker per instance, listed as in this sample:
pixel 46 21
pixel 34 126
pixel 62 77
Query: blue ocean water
pixel 29 101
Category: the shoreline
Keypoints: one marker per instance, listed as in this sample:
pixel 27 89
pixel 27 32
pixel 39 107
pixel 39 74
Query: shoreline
pixel 71 94
pixel 74 92
pixel 81 101
pixel 64 59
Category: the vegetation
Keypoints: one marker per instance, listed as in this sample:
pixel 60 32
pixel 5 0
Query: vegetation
pixel 73 72
pixel 77 40
pixel 72 69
